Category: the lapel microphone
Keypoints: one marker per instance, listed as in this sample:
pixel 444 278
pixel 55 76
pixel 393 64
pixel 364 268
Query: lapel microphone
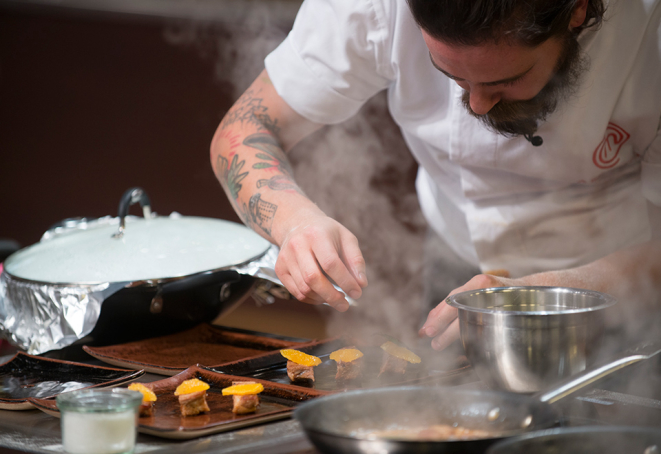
pixel 534 140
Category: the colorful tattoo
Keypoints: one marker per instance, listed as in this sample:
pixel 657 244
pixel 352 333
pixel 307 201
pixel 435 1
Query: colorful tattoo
pixel 250 111
pixel 259 213
pixel 272 154
pixel 230 174
pixel 279 183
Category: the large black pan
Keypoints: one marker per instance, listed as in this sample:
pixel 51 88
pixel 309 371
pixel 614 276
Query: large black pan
pixel 154 275
pixel 342 423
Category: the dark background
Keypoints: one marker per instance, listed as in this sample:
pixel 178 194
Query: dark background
pixel 90 106
pixel 98 96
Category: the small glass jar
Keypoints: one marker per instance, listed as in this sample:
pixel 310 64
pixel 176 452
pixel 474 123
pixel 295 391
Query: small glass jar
pixel 99 421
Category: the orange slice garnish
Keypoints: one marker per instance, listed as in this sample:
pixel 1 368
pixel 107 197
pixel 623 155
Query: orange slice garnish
pixel 300 358
pixel 244 389
pixel 191 386
pixel 346 355
pixel 147 394
pixel 400 352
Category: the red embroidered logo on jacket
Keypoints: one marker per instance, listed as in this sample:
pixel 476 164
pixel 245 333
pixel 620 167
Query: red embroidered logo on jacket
pixel 606 154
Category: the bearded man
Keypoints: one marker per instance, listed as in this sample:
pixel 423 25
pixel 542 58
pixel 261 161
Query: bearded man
pixel 535 124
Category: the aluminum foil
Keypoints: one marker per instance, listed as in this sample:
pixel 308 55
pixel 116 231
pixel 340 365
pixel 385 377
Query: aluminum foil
pixel 41 317
pixel 38 318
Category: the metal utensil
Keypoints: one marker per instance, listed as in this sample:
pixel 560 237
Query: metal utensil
pixel 523 339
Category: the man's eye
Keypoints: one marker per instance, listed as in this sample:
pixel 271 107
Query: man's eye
pixel 511 82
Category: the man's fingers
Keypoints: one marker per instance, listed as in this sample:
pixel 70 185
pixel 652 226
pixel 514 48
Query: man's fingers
pixel 313 280
pixel 314 302
pixel 442 315
pixel 289 274
pixel 438 319
pixel 310 298
pixel 353 258
pixel 332 265
pixel 447 337
pixel 322 260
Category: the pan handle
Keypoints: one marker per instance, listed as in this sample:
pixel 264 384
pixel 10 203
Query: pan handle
pixel 130 197
pixel 640 352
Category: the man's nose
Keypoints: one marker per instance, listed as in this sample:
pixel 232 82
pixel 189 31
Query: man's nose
pixel 482 101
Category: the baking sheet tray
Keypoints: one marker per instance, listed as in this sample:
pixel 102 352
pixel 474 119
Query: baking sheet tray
pixel 277 402
pixel 25 376
pixel 204 344
pixel 444 368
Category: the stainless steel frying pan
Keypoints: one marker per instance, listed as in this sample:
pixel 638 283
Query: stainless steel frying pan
pixel 342 423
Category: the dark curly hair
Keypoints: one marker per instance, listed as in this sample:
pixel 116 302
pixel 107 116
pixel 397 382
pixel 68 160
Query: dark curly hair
pixel 473 22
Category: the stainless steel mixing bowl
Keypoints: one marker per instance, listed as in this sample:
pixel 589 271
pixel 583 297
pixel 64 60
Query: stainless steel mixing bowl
pixel 523 339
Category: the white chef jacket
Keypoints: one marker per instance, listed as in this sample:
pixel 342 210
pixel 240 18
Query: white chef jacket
pixel 499 202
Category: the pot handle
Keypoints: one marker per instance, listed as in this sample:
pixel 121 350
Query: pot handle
pixel 190 283
pixel 130 197
pixel 640 352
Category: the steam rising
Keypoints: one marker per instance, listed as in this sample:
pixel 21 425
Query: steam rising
pixel 238 43
pixel 360 173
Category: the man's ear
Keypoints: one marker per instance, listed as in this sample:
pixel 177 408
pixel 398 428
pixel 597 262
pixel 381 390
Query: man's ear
pixel 578 14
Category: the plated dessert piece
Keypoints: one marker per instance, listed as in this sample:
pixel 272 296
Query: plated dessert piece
pixel 192 397
pixel 245 396
pixel 300 366
pixel 350 363
pixel 396 358
pixel 442 368
pixel 148 398
pixel 276 401
pixel 26 376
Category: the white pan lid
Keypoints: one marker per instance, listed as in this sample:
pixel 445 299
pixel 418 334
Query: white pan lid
pixel 149 249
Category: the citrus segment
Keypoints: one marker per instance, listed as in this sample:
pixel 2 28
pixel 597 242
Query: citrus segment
pixel 191 386
pixel 147 394
pixel 300 358
pixel 346 355
pixel 244 389
pixel 400 352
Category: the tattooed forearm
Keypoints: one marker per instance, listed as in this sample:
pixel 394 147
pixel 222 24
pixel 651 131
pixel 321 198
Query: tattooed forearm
pixel 248 110
pixel 259 213
pixel 249 161
pixel 229 173
pixel 279 183
pixel 272 157
pixel 272 153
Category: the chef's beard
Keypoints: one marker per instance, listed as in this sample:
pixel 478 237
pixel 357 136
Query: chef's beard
pixel 513 118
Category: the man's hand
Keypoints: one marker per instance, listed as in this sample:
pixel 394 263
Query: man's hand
pixel 631 275
pixel 248 155
pixel 442 323
pixel 316 252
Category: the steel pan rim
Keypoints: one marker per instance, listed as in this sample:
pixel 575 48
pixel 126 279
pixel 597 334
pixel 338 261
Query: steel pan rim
pixel 153 274
pixel 365 439
pixel 608 301
pixel 150 282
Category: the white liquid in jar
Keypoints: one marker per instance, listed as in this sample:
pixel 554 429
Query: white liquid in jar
pixel 99 433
